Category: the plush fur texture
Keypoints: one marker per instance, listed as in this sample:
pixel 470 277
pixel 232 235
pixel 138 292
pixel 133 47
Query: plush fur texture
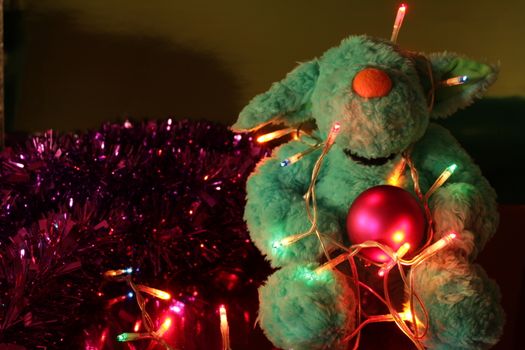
pixel 301 309
pixel 373 128
pixel 463 304
pixel 448 65
pixel 289 96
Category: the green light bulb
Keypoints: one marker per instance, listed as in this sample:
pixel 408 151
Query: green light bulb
pixel 122 337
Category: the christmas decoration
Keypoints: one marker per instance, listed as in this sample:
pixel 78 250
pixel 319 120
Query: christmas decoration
pixel 388 215
pixel 372 102
pixel 133 231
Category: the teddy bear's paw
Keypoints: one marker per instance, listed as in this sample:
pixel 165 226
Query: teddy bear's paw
pixel 462 208
pixel 303 309
pixel 278 232
pixel 282 250
pixel 281 253
pixel 463 304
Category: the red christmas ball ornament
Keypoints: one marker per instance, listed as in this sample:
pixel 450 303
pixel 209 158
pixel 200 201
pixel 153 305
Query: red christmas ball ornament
pixel 388 215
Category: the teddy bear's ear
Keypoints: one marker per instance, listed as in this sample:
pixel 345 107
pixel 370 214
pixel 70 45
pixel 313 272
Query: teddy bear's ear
pixel 287 100
pixel 448 99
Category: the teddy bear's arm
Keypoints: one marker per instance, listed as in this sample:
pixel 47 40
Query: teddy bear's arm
pixel 466 204
pixel 276 208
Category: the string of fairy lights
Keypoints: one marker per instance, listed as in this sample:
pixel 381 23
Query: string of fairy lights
pixel 146 322
pixel 406 320
pixel 396 258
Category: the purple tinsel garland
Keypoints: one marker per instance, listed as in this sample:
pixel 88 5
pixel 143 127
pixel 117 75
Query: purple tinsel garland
pixel 165 198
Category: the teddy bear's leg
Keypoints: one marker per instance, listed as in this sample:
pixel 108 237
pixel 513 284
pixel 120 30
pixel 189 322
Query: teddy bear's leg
pixel 276 209
pixel 301 309
pixel 463 304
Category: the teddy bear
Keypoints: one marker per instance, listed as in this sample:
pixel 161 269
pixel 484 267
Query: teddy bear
pixel 384 100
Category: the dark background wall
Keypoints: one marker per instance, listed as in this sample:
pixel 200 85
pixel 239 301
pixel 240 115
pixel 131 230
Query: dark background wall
pixel 79 62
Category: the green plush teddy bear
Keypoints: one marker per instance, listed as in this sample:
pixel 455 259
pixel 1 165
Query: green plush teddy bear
pixel 383 98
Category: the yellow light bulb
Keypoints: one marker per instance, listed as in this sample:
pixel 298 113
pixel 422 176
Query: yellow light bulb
pixel 459 80
pixel 157 293
pixel 286 241
pixel 274 135
pixel 406 315
pixel 396 176
pixel 225 328
pixel 164 327
pixel 119 272
pixel 332 263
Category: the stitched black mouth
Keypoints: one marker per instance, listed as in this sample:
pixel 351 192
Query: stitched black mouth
pixel 368 161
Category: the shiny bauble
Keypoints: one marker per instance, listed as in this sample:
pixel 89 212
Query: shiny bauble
pixel 389 215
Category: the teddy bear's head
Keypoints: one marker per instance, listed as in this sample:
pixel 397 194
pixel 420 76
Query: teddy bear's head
pixel 382 96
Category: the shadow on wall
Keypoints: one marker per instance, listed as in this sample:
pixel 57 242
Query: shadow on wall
pixel 74 79
pixel 491 130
